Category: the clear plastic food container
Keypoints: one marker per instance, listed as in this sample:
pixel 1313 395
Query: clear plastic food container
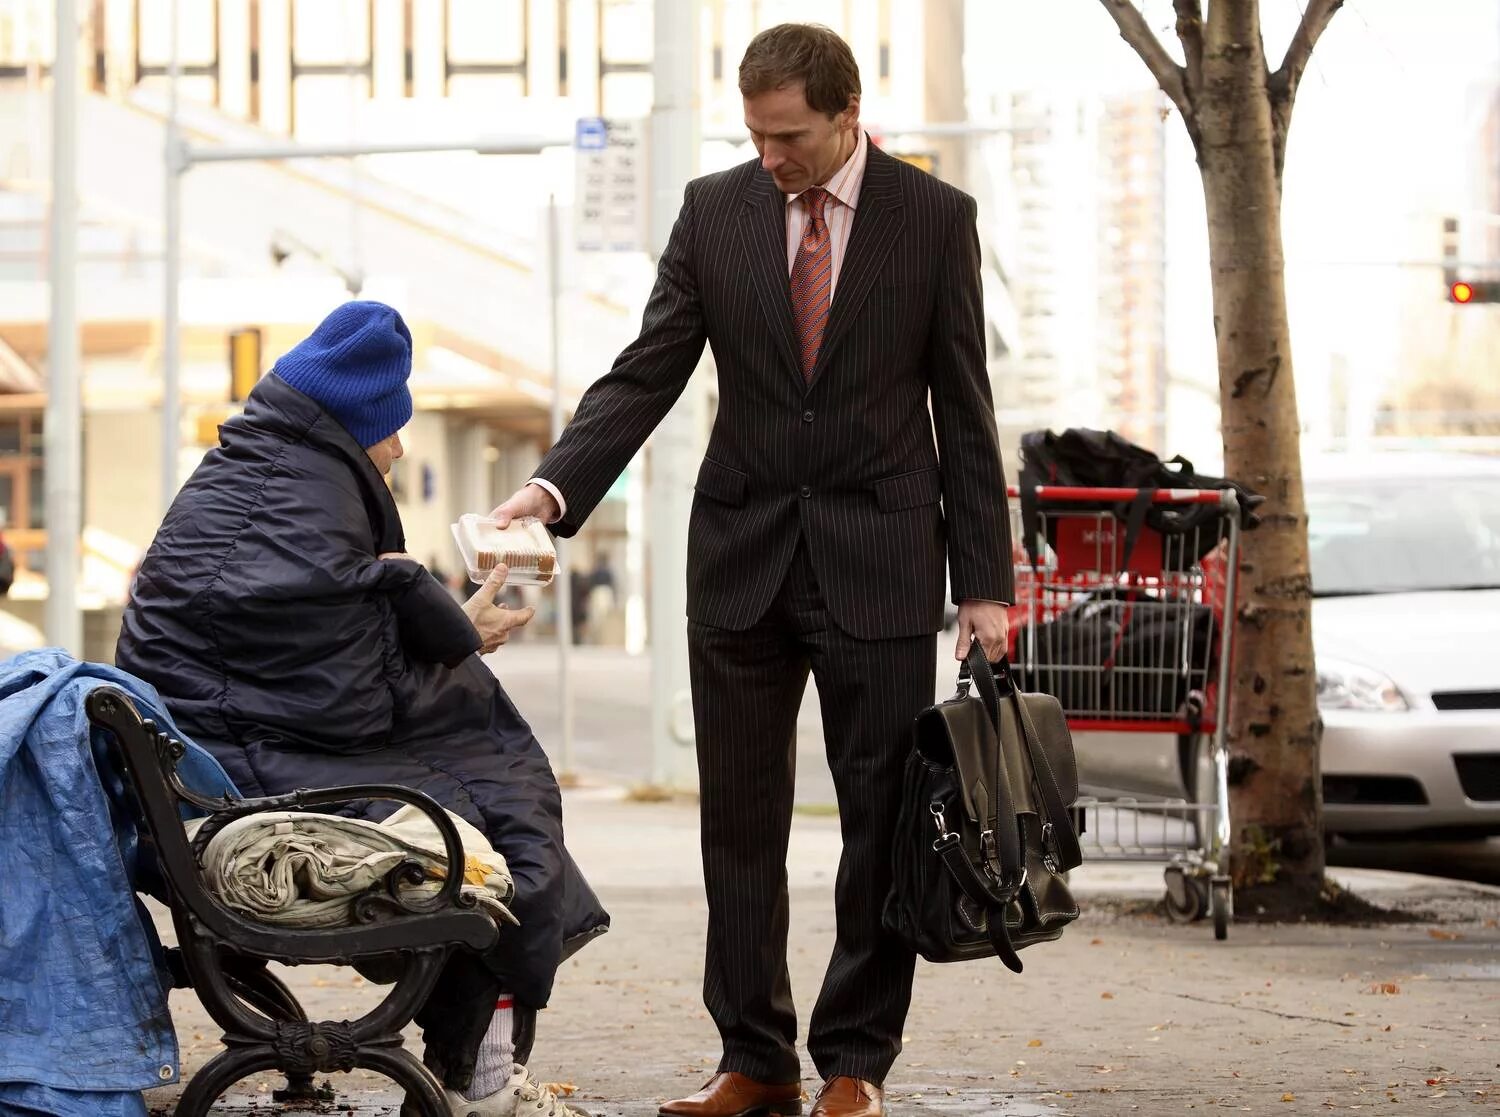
pixel 525 548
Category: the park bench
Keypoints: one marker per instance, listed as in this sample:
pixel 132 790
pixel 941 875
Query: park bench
pixel 223 955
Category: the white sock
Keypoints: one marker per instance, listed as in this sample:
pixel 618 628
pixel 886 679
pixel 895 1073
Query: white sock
pixel 495 1063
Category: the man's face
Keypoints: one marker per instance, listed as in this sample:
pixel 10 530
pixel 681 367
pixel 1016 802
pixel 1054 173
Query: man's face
pixel 384 452
pixel 798 145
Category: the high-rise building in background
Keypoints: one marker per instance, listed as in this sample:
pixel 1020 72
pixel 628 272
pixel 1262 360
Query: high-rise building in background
pixel 1486 164
pixel 1483 239
pixel 1050 376
pixel 1132 176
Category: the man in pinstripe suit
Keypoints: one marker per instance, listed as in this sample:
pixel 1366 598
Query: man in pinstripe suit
pixel 854 448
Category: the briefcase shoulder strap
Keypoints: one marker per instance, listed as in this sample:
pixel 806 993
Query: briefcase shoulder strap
pixel 1000 838
pixel 1054 810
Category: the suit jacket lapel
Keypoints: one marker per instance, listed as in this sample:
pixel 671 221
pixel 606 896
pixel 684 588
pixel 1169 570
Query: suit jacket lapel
pixel 876 222
pixel 762 228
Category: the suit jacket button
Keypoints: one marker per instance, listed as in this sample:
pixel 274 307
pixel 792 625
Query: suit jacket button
pixel 806 491
pixel 807 416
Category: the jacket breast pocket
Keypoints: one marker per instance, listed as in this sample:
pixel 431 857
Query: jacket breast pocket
pixel 721 482
pixel 908 490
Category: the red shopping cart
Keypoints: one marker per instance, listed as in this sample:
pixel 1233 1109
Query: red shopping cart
pixel 1131 628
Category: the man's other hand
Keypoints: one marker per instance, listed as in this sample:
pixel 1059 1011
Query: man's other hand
pixel 529 500
pixel 494 622
pixel 988 620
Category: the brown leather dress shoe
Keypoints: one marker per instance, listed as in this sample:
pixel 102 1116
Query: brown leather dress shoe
pixel 728 1094
pixel 849 1097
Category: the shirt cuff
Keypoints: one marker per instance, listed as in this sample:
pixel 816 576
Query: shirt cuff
pixel 562 505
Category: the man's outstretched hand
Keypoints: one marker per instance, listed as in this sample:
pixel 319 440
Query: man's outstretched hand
pixel 529 500
pixel 494 622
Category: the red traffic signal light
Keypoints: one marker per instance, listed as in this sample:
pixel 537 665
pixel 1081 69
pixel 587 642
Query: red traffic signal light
pixel 1466 291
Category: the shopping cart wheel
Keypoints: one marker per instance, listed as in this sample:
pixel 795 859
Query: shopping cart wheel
pixel 1187 896
pixel 1221 903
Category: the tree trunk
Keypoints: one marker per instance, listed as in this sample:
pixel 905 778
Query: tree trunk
pixel 1274 726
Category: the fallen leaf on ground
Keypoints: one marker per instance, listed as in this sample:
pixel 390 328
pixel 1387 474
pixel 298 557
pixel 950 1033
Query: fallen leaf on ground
pixel 1106 996
pixel 1288 1097
pixel 562 1089
pixel 1100 942
pixel 1033 1043
pixel 1443 936
pixel 1388 988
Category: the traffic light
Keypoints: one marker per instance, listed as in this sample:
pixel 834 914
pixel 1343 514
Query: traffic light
pixel 244 362
pixel 1465 291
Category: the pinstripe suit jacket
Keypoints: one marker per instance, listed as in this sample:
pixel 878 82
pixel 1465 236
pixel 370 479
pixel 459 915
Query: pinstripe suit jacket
pixel 853 461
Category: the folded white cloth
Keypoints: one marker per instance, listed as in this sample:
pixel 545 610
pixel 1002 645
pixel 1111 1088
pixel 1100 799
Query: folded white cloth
pixel 299 869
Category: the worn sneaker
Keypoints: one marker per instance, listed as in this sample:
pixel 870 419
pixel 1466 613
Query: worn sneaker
pixel 523 1096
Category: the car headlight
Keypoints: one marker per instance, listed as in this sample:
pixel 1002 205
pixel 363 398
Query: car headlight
pixel 1348 686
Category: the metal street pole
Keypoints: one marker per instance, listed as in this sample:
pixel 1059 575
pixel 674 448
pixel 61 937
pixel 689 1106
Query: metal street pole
pixel 515 145
pixel 484 145
pixel 62 434
pixel 563 584
pixel 675 447
pixel 171 355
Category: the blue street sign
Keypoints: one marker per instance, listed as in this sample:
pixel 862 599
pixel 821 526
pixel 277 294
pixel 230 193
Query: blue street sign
pixel 592 134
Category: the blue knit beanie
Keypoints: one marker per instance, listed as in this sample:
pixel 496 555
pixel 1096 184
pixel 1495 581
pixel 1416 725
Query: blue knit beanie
pixel 356 364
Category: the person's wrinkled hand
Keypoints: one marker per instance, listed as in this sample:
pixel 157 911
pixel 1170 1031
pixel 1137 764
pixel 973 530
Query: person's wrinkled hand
pixel 494 622
pixel 528 500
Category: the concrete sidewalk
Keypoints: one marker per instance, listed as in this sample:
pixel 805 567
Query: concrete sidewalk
pixel 1127 1014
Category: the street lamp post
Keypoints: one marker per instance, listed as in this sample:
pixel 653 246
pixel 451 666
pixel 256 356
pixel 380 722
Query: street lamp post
pixel 62 433
pixel 675 445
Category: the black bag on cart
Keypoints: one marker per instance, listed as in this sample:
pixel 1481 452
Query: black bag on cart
pixel 1083 458
pixel 985 834
pixel 1122 652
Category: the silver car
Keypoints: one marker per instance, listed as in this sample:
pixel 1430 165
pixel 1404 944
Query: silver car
pixel 1406 628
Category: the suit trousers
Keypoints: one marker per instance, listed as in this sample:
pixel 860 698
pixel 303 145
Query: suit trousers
pixel 747 687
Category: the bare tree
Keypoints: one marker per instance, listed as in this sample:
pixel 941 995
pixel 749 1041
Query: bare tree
pixel 1237 112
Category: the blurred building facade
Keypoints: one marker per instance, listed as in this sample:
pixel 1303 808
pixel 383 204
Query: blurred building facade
pixel 453 240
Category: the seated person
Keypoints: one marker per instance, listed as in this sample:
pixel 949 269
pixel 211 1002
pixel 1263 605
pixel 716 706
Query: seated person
pixel 289 633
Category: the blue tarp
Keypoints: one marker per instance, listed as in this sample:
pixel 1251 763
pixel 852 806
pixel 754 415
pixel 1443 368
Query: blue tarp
pixel 84 1024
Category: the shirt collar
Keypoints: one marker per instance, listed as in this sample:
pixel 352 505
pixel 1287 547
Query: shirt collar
pixel 844 184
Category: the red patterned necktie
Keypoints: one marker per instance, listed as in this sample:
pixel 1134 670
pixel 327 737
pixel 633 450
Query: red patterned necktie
pixel 812 279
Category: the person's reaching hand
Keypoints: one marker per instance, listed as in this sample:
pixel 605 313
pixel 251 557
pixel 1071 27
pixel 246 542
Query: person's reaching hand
pixel 494 622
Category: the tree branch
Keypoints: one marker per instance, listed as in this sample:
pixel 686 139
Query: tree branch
pixel 1282 85
pixel 1137 32
pixel 1190 32
pixel 1315 19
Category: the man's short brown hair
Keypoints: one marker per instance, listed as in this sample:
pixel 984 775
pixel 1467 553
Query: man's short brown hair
pixel 805 54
